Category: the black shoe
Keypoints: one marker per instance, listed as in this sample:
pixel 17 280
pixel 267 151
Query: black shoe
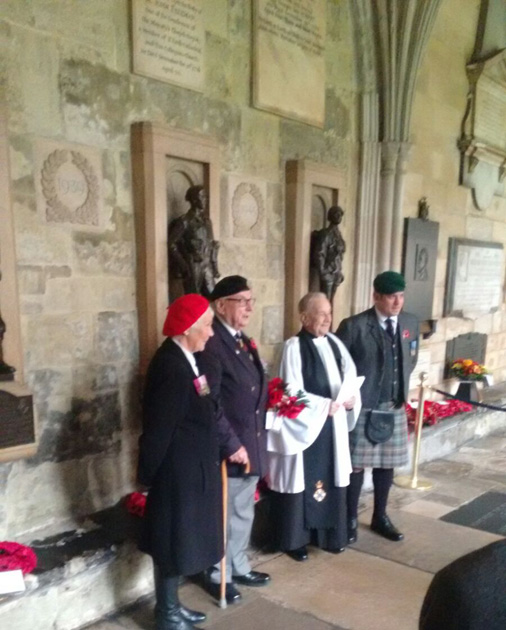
pixel 193 616
pixel 232 595
pixel 253 578
pixel 352 530
pixel 299 554
pixel 336 550
pixel 384 527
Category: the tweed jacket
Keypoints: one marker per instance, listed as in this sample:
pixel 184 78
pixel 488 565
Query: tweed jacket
pixel 239 386
pixel 363 337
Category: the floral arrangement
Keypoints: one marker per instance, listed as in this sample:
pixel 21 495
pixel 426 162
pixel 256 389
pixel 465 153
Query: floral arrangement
pixel 13 556
pixel 434 411
pixel 280 401
pixel 136 503
pixel 468 370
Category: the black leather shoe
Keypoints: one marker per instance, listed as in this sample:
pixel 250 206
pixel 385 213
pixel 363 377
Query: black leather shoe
pixel 232 595
pixel 384 527
pixel 352 530
pixel 253 578
pixel 338 550
pixel 299 554
pixel 193 616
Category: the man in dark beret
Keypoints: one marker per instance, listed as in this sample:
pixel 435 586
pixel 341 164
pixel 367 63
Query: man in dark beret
pixel 239 386
pixel 383 342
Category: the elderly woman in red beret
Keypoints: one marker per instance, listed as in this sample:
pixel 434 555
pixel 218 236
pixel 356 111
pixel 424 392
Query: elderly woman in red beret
pixel 179 462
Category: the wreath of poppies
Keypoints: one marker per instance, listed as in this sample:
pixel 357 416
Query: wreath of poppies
pixel 136 503
pixel 16 556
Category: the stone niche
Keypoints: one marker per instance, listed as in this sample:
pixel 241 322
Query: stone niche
pixel 165 162
pixel 18 437
pixel 311 189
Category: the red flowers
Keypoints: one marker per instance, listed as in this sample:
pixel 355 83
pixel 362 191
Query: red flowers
pixel 253 344
pixel 136 503
pixel 280 401
pixel 433 411
pixel 16 556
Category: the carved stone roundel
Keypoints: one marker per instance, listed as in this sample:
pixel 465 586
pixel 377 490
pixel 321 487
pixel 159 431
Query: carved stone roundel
pixel 247 209
pixel 70 188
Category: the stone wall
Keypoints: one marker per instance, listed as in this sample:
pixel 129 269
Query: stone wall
pixel 65 67
pixel 433 171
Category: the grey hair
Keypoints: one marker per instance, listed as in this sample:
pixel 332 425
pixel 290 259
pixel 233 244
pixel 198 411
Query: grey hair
pixel 306 302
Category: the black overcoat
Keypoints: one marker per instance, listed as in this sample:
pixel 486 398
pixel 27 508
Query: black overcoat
pixel 179 461
pixel 239 386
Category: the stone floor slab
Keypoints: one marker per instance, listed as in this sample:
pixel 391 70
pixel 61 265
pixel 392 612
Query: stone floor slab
pixel 431 509
pixel 429 544
pixel 353 590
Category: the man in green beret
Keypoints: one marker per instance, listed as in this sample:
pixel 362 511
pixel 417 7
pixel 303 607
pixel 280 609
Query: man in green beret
pixel 383 342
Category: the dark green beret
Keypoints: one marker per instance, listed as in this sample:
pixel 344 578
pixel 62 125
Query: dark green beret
pixel 389 282
pixel 229 286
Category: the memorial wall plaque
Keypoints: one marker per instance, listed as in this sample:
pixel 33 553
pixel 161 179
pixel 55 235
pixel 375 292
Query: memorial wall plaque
pixel 18 434
pixel 289 64
pixel 468 346
pixel 419 266
pixel 168 41
pixel 68 183
pixel 474 277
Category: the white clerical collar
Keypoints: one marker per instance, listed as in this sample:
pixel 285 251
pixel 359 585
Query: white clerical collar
pixel 320 341
pixel 188 355
pixel 383 318
pixel 231 330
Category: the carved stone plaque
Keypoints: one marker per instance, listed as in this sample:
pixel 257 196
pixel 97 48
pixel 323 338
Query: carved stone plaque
pixel 419 265
pixel 247 200
pixel 168 41
pixel 68 183
pixel 474 277
pixel 290 35
pixel 469 346
pixel 17 437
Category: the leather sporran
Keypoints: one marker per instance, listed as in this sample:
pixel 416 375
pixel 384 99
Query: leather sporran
pixel 379 426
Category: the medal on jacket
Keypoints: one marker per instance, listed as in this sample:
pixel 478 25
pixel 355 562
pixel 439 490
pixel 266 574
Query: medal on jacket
pixel 201 385
pixel 319 494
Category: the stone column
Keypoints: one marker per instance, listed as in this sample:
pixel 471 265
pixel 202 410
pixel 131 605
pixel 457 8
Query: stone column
pixel 398 215
pixel 389 155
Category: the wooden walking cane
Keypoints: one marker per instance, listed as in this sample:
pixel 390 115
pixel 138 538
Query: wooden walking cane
pixel 223 563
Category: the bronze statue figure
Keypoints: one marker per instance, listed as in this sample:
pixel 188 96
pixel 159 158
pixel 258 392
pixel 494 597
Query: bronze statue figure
pixel 327 251
pixel 193 252
pixel 6 370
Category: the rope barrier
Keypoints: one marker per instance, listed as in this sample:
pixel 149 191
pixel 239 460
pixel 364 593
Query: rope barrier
pixel 475 403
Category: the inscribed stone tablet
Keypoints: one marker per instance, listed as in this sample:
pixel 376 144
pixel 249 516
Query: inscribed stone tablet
pixel 474 280
pixel 289 64
pixel 168 41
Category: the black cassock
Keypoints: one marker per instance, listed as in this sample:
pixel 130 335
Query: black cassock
pixel 308 516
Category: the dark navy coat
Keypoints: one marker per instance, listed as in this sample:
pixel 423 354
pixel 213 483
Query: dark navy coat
pixel 239 386
pixel 179 461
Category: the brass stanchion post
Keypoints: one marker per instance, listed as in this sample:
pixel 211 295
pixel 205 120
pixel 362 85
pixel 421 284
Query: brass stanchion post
pixel 412 482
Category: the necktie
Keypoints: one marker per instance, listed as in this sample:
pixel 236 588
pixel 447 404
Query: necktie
pixel 240 342
pixel 390 328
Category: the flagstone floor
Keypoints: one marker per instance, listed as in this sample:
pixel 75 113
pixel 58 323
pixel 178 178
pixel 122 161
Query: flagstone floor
pixel 375 584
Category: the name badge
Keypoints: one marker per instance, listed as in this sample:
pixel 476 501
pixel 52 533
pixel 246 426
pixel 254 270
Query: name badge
pixel 412 347
pixel 201 385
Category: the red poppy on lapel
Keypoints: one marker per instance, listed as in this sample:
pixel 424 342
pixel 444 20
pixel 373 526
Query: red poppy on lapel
pixel 405 334
pixel 252 344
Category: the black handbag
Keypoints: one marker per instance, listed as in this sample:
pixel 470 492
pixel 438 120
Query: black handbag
pixel 379 426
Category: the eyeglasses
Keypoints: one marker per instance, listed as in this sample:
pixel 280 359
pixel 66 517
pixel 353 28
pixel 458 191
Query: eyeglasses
pixel 242 301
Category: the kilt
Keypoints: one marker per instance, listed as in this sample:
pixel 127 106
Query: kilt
pixel 389 454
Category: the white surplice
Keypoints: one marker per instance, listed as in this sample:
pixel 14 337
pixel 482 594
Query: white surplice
pixel 285 445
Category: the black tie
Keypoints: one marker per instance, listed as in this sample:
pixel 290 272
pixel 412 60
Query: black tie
pixel 240 342
pixel 390 328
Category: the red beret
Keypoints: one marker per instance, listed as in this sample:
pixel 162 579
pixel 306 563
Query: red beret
pixel 183 313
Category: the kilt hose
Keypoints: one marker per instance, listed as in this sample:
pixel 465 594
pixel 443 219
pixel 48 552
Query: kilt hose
pixel 389 454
